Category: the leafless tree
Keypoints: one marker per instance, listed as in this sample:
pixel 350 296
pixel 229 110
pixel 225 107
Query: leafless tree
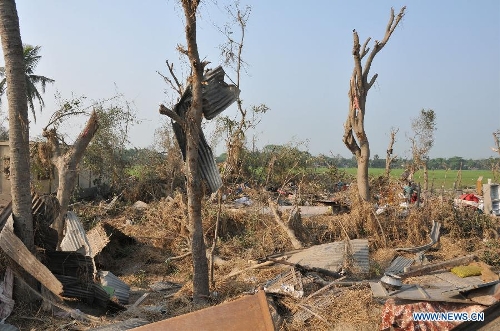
pixel 496 138
pixel 390 156
pixel 355 137
pixel 191 125
pixel 422 141
pixel 66 160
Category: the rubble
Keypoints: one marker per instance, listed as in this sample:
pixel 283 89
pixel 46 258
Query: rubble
pixel 335 256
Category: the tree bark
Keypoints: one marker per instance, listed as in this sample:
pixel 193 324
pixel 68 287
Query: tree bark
pixel 18 123
pixel 193 127
pixel 67 165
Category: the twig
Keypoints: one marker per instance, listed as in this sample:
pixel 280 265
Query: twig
pixel 324 288
pixel 216 234
pixel 174 258
pixel 139 301
pixel 32 318
pixel 314 314
pixel 260 265
pixel 64 326
pixel 343 228
pixel 381 229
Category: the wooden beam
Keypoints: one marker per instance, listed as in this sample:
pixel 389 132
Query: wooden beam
pixel 427 268
pixel 17 251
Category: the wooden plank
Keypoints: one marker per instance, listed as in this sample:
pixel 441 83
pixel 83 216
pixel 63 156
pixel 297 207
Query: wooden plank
pixel 15 249
pixel 250 313
pixel 426 269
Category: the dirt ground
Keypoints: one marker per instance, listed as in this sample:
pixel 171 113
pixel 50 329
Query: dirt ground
pixel 151 245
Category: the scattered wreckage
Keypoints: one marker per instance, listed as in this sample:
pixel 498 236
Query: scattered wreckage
pixel 312 277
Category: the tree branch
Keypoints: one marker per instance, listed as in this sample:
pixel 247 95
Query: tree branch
pixel 365 50
pixel 173 115
pixel 51 136
pixel 358 72
pixel 177 86
pixel 372 81
pixel 391 26
pixel 171 70
pixel 85 137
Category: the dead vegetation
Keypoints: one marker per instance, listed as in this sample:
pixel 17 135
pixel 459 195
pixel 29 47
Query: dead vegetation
pixel 151 244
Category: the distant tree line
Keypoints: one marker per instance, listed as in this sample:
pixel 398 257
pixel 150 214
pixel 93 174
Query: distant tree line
pixel 452 163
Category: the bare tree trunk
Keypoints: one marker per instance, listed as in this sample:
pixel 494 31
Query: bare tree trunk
pixel 193 127
pixel 18 123
pixel 67 165
pixel 390 157
pixel 355 137
pixel 362 173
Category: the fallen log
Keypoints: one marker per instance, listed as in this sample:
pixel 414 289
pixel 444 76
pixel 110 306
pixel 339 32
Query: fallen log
pixel 291 234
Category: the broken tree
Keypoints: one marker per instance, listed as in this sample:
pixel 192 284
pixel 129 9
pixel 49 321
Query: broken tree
pixel 422 141
pixel 188 115
pixel 354 129
pixel 66 161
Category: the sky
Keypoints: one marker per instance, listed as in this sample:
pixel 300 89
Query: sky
pixel 445 55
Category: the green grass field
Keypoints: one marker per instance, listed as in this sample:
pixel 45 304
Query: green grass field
pixel 439 177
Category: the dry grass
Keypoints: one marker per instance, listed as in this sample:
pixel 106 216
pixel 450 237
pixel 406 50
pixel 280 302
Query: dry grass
pixel 161 231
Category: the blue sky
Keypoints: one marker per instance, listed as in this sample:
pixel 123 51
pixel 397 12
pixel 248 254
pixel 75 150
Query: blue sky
pixel 445 55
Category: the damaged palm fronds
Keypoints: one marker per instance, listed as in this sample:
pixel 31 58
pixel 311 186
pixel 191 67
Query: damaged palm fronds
pixel 217 96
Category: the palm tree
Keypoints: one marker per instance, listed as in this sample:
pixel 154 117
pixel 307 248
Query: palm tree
pixel 31 59
pixel 18 122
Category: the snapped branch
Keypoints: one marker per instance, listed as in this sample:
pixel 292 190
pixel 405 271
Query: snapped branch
pixel 85 136
pixel 173 115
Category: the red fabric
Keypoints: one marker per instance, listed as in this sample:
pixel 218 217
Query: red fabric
pixel 400 317
pixel 469 197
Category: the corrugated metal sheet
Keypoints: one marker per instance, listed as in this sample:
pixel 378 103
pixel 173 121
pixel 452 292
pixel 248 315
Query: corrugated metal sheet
pixel 434 236
pixel 71 264
pixel 208 167
pixel 97 239
pixel 332 256
pixel 75 238
pixel 443 286
pixel 122 290
pixel 217 96
pixel 8 327
pixel 399 264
